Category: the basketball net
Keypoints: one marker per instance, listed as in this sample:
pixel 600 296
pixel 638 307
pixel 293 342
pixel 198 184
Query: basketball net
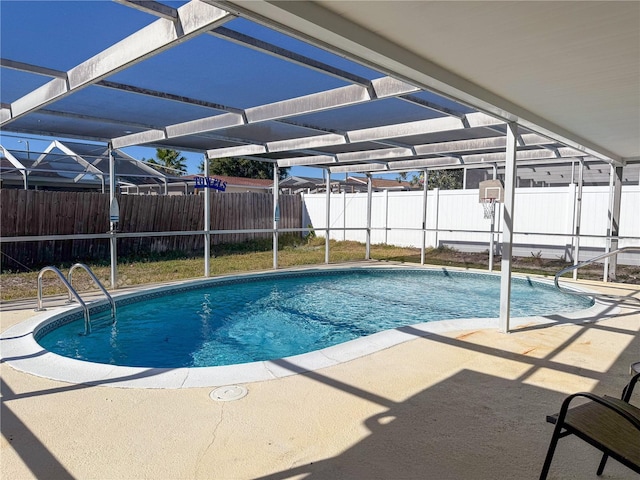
pixel 489 205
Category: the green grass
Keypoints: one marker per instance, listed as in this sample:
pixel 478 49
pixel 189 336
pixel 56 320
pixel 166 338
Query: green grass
pixel 245 257
pixel 257 255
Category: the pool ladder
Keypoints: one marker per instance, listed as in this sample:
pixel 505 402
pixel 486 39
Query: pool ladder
pixel 589 262
pixel 73 293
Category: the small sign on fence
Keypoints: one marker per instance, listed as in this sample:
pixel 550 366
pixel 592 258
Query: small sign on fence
pixel 213 183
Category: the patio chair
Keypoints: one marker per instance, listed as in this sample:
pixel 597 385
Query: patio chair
pixel 611 425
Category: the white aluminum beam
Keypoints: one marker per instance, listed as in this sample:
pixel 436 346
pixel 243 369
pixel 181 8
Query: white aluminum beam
pixel 304 143
pixel 203 125
pixel 405 129
pixel 423 162
pixel 391 87
pixel 501 157
pixel 479 119
pixel 236 151
pixel 5 115
pixel 147 136
pixel 379 154
pixel 570 152
pixel 347 157
pixel 316 102
pixel 367 167
pixel 529 139
pixel 310 160
pixel 194 18
pixel 398 165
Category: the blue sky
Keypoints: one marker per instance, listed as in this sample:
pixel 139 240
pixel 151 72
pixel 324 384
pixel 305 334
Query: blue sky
pixel 53 28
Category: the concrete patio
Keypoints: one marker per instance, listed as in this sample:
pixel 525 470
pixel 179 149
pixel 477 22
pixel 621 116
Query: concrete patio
pixel 459 405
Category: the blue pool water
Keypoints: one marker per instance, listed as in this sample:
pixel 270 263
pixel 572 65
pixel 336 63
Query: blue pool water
pixel 263 319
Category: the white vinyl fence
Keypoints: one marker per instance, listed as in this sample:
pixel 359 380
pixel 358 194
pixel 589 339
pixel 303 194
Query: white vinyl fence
pixel 544 220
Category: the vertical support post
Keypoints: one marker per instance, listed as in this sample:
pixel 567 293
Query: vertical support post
pixel 344 214
pixel 425 189
pixel 344 206
pixel 207 220
pixel 386 216
pixel 328 200
pixel 613 225
pixel 507 226
pixel 113 241
pixel 367 254
pixel 464 178
pixel 493 225
pixel 166 186
pixel 578 219
pixel 436 192
pixel 276 213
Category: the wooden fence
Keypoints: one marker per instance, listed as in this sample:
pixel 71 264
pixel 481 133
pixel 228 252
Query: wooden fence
pixel 33 213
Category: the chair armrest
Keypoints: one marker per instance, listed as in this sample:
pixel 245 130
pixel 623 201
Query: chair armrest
pixel 628 390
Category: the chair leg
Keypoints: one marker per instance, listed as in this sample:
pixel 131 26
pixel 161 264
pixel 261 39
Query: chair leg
pixel 550 452
pixel 602 464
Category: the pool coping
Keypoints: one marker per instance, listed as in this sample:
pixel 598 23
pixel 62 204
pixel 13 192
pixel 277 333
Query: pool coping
pixel 21 351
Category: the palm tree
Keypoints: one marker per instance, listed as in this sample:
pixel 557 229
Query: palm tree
pixel 169 160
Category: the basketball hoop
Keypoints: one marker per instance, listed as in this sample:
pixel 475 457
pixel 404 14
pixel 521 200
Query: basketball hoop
pixel 490 192
pixel 489 206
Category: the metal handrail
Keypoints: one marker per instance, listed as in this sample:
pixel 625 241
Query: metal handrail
pixel 588 262
pixel 98 284
pixel 40 308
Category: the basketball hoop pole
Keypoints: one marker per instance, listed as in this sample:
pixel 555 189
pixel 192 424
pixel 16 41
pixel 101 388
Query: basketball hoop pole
pixel 492 238
pixel 489 205
pixel 490 193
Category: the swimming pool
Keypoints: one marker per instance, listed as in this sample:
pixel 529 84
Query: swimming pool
pixel 266 318
pixel 314 318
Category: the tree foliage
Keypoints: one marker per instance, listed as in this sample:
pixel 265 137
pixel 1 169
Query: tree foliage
pixel 241 167
pixel 168 161
pixel 442 179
